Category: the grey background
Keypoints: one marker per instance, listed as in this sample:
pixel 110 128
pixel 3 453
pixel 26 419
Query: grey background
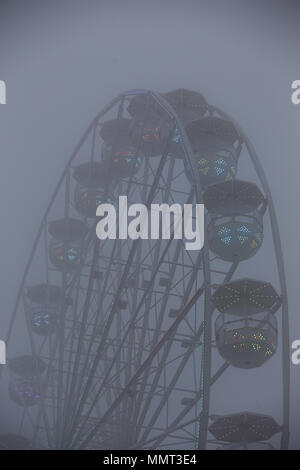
pixel 64 60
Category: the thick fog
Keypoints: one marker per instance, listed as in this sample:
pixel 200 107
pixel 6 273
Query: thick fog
pixel 62 61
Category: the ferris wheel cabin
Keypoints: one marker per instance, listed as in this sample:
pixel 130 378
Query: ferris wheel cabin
pixel 235 219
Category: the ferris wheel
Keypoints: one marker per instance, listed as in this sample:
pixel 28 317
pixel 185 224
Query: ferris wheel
pixel 120 351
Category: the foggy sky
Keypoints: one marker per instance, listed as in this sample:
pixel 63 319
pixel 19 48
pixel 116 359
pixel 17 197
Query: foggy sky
pixel 62 62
